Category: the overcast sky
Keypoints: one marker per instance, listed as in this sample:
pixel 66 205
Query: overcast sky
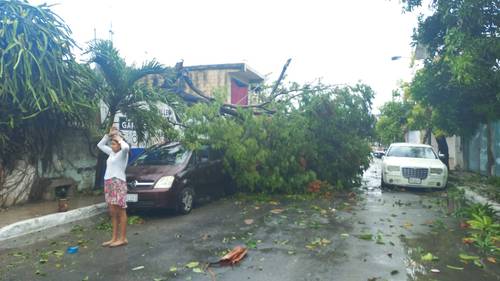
pixel 337 41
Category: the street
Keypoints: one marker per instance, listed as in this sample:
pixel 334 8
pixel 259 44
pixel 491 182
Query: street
pixel 372 234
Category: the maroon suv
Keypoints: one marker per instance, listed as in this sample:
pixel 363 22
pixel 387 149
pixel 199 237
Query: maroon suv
pixel 170 176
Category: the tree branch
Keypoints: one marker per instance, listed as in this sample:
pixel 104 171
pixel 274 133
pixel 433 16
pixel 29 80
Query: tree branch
pixel 231 108
pixel 281 77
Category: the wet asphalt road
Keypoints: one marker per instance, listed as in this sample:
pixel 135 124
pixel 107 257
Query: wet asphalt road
pixel 372 235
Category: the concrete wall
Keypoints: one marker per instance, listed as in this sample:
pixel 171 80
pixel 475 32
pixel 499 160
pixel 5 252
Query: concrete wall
pixel 211 80
pixel 414 137
pixel 475 152
pixel 75 160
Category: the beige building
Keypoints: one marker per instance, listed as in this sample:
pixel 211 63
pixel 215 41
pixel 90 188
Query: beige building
pixel 237 80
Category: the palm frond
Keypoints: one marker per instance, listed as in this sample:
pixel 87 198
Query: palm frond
pixel 147 68
pixel 111 65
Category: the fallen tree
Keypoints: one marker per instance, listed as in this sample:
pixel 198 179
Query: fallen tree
pixel 299 134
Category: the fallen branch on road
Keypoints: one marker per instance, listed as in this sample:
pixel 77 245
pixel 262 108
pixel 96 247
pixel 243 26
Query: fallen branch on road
pixel 231 258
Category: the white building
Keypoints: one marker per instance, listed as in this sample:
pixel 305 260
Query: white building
pixel 455 147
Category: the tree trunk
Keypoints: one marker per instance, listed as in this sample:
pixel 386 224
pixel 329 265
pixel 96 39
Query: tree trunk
pixel 443 148
pixel 16 184
pixel 490 166
pixel 428 136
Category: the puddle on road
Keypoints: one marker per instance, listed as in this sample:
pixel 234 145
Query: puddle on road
pixel 370 183
pixel 446 244
pixel 443 239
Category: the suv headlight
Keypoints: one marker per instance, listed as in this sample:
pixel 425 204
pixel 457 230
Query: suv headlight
pixel 165 182
pixel 393 168
pixel 438 171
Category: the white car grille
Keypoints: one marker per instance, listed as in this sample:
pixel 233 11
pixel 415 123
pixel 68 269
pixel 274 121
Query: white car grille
pixel 419 173
pixel 135 184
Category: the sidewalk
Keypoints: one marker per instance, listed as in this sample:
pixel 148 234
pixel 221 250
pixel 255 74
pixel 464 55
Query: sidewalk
pixel 33 217
pixel 477 188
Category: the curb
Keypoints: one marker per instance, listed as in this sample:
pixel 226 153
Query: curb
pixel 476 198
pixel 28 226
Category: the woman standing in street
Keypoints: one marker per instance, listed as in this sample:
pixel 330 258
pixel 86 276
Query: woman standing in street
pixel 115 185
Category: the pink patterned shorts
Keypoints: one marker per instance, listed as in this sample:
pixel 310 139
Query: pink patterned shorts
pixel 115 192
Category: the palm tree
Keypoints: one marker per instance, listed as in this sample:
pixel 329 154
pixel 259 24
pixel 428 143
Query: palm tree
pixel 124 89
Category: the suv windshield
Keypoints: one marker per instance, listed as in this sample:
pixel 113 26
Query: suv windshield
pixel 162 155
pixel 411 152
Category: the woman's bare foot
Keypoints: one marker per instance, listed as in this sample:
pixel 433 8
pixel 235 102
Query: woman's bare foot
pixel 118 243
pixel 107 243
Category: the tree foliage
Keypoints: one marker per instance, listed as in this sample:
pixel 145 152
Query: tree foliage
pixel 321 132
pixel 43 91
pixel 461 78
pixel 124 89
pixel 461 75
pixel 393 121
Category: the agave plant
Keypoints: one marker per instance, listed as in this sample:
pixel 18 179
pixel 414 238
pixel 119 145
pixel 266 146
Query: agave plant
pixel 43 90
pixel 485 233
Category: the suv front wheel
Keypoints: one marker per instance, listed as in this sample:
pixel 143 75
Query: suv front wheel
pixel 185 201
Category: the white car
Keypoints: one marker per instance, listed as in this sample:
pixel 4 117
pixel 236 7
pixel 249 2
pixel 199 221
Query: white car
pixel 413 165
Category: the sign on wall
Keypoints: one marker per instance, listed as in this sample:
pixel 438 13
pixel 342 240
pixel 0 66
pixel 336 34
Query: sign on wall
pixel 125 124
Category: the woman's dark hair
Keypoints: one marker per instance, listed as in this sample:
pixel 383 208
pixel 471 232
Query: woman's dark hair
pixel 129 151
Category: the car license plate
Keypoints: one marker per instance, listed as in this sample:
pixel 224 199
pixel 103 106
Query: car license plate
pixel 414 181
pixel 132 198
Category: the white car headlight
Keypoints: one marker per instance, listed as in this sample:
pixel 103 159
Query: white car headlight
pixel 165 182
pixel 437 171
pixel 393 168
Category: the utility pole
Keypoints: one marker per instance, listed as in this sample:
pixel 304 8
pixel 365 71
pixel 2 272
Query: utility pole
pixel 111 32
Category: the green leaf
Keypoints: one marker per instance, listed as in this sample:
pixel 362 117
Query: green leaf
pixel 466 257
pixel 454 267
pixel 429 257
pixel 192 264
pixel 365 236
pixel 197 270
pixel 478 263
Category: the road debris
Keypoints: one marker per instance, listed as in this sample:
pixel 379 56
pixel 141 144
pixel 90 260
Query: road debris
pixel 231 258
pixel 429 257
pixel 435 270
pixel 72 250
pixel 138 268
pixel 454 267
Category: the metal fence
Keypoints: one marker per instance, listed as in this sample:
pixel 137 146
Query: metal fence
pixel 475 156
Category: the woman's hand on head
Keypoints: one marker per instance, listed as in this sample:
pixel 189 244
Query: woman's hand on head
pixel 113 131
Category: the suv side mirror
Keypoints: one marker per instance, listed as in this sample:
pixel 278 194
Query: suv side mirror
pixel 441 156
